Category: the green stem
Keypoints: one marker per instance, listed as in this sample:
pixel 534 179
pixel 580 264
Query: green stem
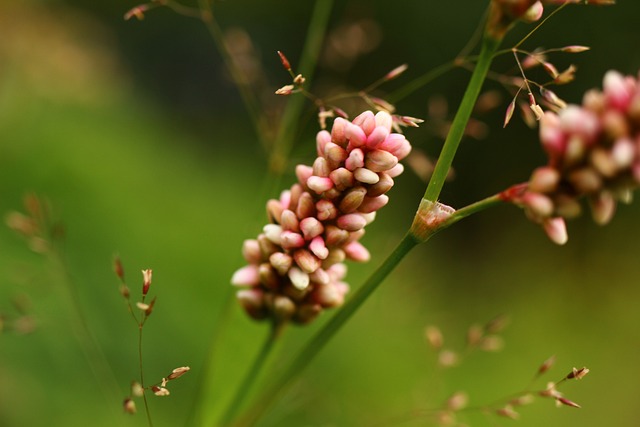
pixel 290 118
pixel 204 391
pixel 313 347
pixel 489 47
pixel 252 375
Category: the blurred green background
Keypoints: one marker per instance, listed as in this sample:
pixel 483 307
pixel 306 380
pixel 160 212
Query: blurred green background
pixel 136 135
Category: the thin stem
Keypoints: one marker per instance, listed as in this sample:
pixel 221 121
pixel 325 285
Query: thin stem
pixel 530 33
pixel 311 52
pixel 285 379
pixel 91 349
pixel 250 101
pixel 441 170
pixel 206 380
pixel 471 209
pixel 252 374
pixel 140 365
pixel 417 83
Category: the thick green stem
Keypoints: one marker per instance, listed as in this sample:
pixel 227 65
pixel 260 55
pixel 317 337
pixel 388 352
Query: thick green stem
pixel 489 47
pixel 313 347
pixel 252 375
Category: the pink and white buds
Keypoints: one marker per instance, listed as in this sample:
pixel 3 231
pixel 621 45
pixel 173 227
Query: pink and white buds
pixel 295 266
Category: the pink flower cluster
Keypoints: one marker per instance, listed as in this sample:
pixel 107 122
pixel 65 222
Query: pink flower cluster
pixel 594 153
pixel 295 266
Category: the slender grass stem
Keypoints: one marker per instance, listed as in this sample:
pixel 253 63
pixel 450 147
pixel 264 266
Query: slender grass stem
pixel 206 379
pixel 290 118
pixel 322 337
pixel 252 375
pixel 248 98
pixel 140 367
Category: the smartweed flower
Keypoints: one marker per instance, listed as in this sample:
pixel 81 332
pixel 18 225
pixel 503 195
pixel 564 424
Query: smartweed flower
pixel 594 154
pixel 295 266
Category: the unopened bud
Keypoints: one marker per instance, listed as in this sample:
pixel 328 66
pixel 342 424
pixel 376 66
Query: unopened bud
pixel 396 72
pixel 567 402
pixel 556 230
pixel 575 49
pixel 509 113
pixel 178 372
pixel 578 374
pixel 117 268
pixel 285 90
pixel 285 61
pixel 160 391
pixel 146 282
pixel 546 365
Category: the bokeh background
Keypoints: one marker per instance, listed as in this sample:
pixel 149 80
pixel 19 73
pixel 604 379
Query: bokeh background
pixel 136 135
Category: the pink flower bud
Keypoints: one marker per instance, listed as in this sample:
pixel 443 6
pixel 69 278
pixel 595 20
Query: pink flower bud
pixel 357 252
pixel 274 210
pixel 326 210
pixel 321 167
pixel 320 184
pixel 311 228
pixel 252 301
pixel 355 134
pixel 268 276
pixel 617 91
pixel 318 248
pixel 380 160
pixel 556 230
pixel 338 131
pixel 322 138
pixel 384 184
pixel 355 159
pixel 335 237
pixel 379 134
pixel 366 176
pixel 384 119
pixel 307 262
pixel 351 222
pixel 289 221
pixel 396 170
pixel 328 296
pixel 281 262
pixel 352 199
pixel 334 154
pixel 299 279
pixel 320 276
pixel 267 247
pixel 366 121
pixel 291 240
pixel 273 232
pixel 544 180
pixel 303 173
pixel 283 308
pixel 251 251
pixel 371 204
pixel 306 207
pixel 342 178
pixel 603 207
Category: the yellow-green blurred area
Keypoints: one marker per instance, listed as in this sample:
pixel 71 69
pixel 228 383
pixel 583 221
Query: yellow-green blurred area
pixel 136 136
